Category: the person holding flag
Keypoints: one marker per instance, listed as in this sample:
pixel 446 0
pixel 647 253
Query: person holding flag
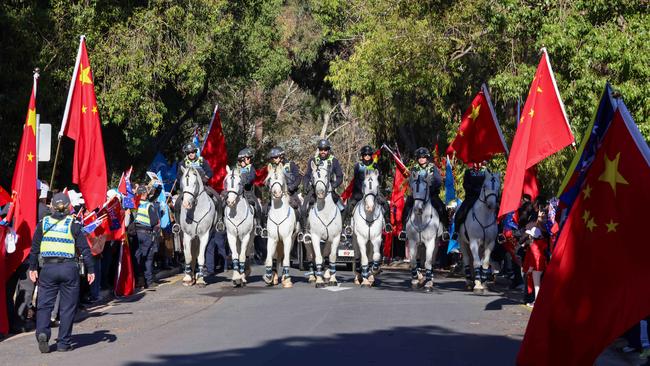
pixel 57 239
pixel 368 159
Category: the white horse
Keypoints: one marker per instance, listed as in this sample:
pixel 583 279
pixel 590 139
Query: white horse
pixel 281 227
pixel 325 224
pixel 479 231
pixel 197 217
pixel 368 224
pixel 238 217
pixel 422 227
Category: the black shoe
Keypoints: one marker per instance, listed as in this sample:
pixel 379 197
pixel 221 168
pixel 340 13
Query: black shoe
pixel 63 348
pixel 43 346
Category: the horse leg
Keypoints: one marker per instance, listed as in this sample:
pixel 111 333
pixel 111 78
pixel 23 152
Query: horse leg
pixel 413 260
pixel 376 254
pixel 318 258
pixel 271 245
pixel 286 261
pixel 428 264
pixel 334 247
pixel 467 258
pixel 200 261
pixel 477 265
pixel 232 243
pixel 487 254
pixel 362 242
pixel 187 252
pixel 243 253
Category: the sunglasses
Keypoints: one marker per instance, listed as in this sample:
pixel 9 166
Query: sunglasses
pixel 324 149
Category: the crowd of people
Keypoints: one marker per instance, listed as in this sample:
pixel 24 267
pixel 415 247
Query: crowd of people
pixel 521 254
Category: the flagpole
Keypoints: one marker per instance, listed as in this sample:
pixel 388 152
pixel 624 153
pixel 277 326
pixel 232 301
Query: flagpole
pixel 66 111
pixel 214 114
pixel 494 117
pixel 37 74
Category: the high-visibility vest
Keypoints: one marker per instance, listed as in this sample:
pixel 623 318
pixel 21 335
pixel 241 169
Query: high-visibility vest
pixel 57 238
pixel 142 215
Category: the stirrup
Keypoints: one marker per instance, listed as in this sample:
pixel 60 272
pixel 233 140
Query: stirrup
pixel 220 226
pixel 388 228
pixel 445 235
pixel 264 233
pixel 501 238
pixel 401 235
pixel 258 230
pixel 176 228
pixel 347 230
pixel 306 238
pixel 300 237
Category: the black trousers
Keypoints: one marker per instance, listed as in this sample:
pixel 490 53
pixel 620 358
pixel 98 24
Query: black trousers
pixel 61 278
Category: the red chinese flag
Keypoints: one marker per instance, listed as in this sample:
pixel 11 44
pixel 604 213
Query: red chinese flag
pixel 479 135
pixel 531 184
pixel 4 316
pixel 260 176
pixel 23 210
pixel 214 151
pixel 81 123
pixel 543 130
pixel 578 315
pixel 5 197
pixel 125 278
pixel 400 185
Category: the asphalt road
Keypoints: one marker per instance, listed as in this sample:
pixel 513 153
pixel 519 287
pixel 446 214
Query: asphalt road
pixel 387 325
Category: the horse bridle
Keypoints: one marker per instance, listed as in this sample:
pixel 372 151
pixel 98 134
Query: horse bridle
pixel 424 201
pixel 336 211
pixel 194 195
pixel 237 193
pixel 326 185
pixel 484 201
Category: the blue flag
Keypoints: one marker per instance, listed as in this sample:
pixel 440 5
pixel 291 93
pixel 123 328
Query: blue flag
pixel 165 221
pixel 453 245
pixel 166 170
pixel 450 190
pixel 197 141
pixel 572 183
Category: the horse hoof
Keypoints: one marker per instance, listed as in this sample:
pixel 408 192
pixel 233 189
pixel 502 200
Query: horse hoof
pixel 415 283
pixel 275 279
pixel 371 278
pixel 320 285
pixel 200 284
pixel 268 280
pixel 286 282
pixel 187 283
pixel 236 283
pixel 332 283
pixel 356 280
pixel 312 278
pixel 428 289
pixel 366 283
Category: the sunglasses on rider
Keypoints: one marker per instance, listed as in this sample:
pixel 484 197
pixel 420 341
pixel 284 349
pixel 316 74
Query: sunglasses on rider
pixel 323 149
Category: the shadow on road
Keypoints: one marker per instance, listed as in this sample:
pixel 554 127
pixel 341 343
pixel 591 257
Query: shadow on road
pixel 89 339
pixel 428 345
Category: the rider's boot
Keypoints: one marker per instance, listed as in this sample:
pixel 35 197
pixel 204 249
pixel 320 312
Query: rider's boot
pixel 347 218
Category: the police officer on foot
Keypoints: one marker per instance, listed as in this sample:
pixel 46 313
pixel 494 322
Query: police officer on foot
pixel 57 239
pixel 147 228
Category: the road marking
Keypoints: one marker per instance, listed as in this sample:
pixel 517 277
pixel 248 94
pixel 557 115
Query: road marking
pixel 336 289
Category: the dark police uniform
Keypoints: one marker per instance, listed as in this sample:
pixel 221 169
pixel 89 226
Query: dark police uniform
pixel 57 239
pixel 472 183
pixel 147 228
pixel 336 179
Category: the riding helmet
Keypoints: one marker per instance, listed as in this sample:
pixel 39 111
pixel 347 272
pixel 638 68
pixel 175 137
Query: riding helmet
pixel 366 150
pixel 245 153
pixel 276 152
pixel 324 144
pixel 422 152
pixel 189 148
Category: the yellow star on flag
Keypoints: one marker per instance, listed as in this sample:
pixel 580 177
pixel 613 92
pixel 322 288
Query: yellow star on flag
pixel 539 89
pixel 531 113
pixel 611 226
pixel 611 174
pixel 587 191
pixel 84 75
pixel 521 120
pixel 83 108
pixel 31 120
pixel 94 109
pixel 585 216
pixel 591 224
pixel 461 133
pixel 475 110
pixel 30 156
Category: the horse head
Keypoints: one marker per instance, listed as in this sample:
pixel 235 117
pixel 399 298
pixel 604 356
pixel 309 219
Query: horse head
pixel 420 191
pixel 233 186
pixel 490 190
pixel 320 177
pixel 370 189
pixel 276 181
pixel 191 184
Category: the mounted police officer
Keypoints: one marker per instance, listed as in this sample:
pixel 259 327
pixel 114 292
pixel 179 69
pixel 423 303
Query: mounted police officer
pixel 57 240
pixel 323 155
pixel 147 228
pixel 248 174
pixel 291 172
pixel 472 184
pixel 424 166
pixel 192 160
pixel 365 164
